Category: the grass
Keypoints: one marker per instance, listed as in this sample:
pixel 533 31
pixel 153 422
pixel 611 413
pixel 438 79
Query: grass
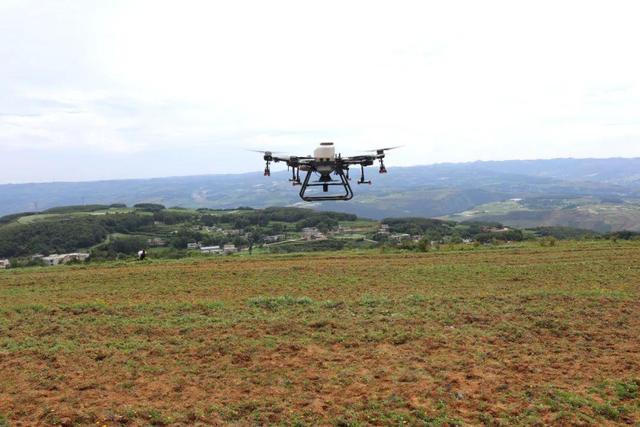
pixel 519 335
pixel 48 216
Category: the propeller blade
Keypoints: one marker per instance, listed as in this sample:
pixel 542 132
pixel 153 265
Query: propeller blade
pixel 265 151
pixel 384 149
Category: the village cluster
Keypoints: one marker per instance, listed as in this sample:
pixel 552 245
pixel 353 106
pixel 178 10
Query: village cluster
pixel 53 259
pixel 308 234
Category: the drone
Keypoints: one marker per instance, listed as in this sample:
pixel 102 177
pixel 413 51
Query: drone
pixel 329 168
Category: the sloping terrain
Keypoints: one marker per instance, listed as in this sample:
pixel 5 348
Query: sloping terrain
pixel 504 336
pixel 620 171
pixel 440 189
pixel 584 212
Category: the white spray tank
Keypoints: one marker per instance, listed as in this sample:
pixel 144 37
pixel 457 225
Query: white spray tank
pixel 326 152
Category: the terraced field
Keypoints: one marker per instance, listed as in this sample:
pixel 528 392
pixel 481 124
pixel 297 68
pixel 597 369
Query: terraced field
pixel 500 336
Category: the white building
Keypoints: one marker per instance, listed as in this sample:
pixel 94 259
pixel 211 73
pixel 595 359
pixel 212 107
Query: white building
pixel 56 259
pixel 274 238
pixel 496 229
pixel 193 245
pixel 211 250
pixel 229 249
pixel 156 241
pixel 4 263
pixel 312 233
pixel 398 237
pixel 53 259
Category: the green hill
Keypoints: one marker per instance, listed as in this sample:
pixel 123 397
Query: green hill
pixel 425 191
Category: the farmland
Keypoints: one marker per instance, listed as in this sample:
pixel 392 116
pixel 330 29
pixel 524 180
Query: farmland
pixel 503 335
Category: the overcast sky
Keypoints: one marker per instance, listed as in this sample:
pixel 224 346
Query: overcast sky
pixel 121 89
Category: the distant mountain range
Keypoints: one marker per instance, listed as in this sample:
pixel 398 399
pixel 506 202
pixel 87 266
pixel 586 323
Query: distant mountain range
pixel 599 194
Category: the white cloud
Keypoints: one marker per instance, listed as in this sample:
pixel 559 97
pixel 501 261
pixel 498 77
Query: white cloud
pixel 62 131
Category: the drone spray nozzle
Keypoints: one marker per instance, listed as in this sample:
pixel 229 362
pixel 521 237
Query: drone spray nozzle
pixel 383 169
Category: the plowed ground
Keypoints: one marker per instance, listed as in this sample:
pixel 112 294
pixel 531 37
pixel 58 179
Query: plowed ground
pixel 518 336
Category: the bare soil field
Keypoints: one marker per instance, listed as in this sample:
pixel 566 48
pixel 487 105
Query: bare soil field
pixel 499 336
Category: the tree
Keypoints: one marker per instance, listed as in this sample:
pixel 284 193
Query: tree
pixel 127 245
pixel 185 236
pixel 149 207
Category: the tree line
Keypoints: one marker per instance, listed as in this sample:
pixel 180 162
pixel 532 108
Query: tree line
pixel 66 234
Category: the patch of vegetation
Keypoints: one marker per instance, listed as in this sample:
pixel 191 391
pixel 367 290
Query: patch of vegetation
pixel 149 207
pixel 51 236
pixel 76 209
pixel 128 245
pixel 420 226
pixel 309 246
pixel 13 217
pixel 275 303
pixel 627 390
pixel 623 235
pixel 564 233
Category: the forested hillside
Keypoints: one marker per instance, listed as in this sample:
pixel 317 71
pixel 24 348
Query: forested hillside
pixel 599 194
pixel 115 231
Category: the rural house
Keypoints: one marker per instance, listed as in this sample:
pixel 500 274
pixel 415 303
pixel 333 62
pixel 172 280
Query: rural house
pixel 229 249
pixel 312 233
pixel 56 259
pixel 211 250
pixel 274 238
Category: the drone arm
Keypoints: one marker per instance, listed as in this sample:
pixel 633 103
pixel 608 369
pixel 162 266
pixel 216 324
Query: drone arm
pixel 367 160
pixel 359 160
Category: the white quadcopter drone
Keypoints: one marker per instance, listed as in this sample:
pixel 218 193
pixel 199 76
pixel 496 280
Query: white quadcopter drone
pixel 324 163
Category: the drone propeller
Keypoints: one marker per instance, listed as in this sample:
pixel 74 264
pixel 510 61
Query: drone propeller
pixel 265 152
pixel 381 150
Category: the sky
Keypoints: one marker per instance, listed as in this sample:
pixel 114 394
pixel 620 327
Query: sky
pixel 93 89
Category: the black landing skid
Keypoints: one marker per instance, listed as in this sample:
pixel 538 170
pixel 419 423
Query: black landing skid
pixel 325 182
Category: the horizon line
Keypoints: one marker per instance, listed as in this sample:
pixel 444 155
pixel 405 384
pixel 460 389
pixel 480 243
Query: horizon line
pixel 259 171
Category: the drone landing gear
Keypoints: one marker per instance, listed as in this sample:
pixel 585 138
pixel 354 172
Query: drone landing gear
pixel 325 182
pixel 362 181
pixel 295 176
